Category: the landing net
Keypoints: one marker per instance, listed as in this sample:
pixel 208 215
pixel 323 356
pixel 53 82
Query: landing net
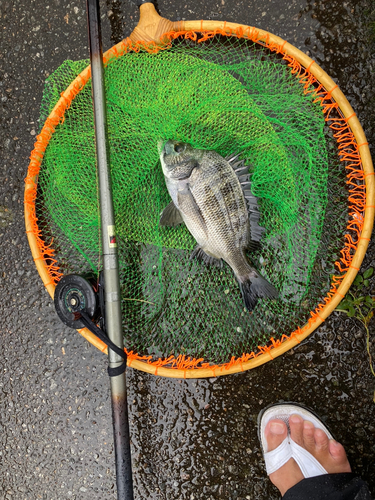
pixel 226 94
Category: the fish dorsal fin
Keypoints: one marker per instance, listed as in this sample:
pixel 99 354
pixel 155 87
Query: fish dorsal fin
pixel 242 172
pixel 170 216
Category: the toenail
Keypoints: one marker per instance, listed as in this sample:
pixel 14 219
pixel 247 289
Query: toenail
pixel 308 425
pixel 277 428
pixel 320 435
pixel 334 447
pixel 296 419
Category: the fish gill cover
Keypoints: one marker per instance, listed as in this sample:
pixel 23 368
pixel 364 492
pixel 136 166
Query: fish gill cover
pixel 230 97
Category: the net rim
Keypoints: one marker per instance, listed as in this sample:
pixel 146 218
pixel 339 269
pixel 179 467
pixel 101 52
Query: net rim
pixel 305 68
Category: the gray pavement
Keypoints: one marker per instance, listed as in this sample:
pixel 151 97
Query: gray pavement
pixel 190 439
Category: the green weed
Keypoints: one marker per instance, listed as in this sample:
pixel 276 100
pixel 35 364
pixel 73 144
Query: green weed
pixel 360 306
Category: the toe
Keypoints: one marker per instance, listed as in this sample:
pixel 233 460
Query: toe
pixel 321 440
pixel 309 435
pixel 288 474
pixel 296 429
pixel 275 431
pixel 338 454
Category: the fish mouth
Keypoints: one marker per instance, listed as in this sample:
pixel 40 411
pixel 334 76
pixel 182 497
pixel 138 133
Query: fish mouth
pixel 161 146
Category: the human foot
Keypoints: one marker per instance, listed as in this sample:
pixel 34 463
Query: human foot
pixel 328 453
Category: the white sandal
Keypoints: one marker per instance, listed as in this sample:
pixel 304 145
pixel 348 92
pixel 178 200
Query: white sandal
pixel 275 459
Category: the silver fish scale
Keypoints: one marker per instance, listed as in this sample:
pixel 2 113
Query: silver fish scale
pixel 218 193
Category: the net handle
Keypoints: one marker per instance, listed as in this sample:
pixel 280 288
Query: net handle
pixel 149 29
pixel 151 26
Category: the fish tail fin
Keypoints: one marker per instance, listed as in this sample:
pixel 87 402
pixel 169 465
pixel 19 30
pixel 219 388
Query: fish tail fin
pixel 254 287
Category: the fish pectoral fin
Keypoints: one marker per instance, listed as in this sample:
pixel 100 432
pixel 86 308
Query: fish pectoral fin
pixel 188 205
pixel 202 256
pixel 171 216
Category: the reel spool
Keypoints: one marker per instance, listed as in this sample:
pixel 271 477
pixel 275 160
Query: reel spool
pixel 74 294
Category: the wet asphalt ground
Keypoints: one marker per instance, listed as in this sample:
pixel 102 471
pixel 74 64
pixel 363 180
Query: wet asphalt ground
pixel 190 439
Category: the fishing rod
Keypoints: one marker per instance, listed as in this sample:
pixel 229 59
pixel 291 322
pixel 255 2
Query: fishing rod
pixel 112 295
pixel 82 304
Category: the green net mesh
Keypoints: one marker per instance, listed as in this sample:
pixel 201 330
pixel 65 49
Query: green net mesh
pixel 227 95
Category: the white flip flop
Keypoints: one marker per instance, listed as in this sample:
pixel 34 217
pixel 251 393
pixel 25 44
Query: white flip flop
pixel 275 459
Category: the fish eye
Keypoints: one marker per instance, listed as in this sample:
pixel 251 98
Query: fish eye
pixel 179 148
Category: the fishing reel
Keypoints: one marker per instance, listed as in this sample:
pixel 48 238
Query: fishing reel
pixel 74 294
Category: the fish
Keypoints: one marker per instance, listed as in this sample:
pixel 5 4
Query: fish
pixel 220 213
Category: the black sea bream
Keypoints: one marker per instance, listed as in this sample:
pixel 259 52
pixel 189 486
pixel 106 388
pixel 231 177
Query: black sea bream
pixel 207 196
